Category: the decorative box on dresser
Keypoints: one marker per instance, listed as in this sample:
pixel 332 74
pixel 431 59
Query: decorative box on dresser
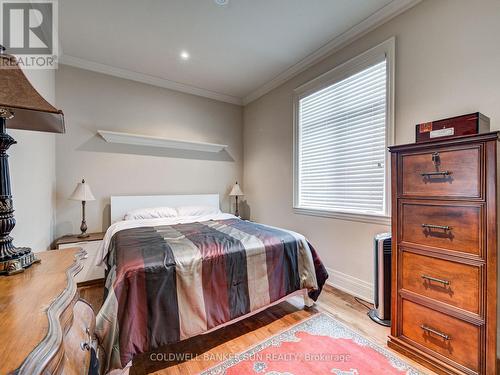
pixel 444 224
pixel 45 328
pixel 90 273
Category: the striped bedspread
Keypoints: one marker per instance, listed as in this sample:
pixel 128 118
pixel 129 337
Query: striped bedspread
pixel 167 283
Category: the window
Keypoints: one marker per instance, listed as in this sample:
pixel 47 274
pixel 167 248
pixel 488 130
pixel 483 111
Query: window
pixel 341 137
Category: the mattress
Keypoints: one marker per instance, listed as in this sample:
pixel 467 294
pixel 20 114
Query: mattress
pixel 171 279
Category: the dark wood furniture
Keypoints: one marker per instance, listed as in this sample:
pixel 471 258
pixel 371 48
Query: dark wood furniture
pixel 73 238
pixel 444 227
pixel 44 327
pixel 472 123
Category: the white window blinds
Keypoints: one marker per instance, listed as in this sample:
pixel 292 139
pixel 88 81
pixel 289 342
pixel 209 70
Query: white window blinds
pixel 342 144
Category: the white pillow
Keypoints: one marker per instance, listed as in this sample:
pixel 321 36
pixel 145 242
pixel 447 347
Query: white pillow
pixel 197 210
pixel 150 213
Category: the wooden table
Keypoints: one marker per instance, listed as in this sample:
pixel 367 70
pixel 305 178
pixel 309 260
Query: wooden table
pixel 37 314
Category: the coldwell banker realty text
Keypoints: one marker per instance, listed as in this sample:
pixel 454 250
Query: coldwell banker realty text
pixel 29 31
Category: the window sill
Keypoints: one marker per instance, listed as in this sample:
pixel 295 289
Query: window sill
pixel 363 218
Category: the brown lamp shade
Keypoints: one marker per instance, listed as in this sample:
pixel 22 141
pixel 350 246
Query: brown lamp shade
pixel 31 111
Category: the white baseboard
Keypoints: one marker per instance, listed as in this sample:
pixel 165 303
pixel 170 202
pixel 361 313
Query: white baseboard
pixel 351 285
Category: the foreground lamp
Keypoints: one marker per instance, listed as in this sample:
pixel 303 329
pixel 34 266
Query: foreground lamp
pixel 84 194
pixel 21 107
pixel 236 192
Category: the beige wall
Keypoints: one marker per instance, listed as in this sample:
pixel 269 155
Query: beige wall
pixel 447 63
pixel 33 176
pixel 93 101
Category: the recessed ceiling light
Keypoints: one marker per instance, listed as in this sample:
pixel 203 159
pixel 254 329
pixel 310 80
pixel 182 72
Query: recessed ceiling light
pixel 185 55
pixel 221 3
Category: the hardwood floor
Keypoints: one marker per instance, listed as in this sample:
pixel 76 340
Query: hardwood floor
pixel 93 294
pixel 217 346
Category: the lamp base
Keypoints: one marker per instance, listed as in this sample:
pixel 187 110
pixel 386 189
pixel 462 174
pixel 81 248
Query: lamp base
pixel 23 258
pixel 83 235
pixel 12 259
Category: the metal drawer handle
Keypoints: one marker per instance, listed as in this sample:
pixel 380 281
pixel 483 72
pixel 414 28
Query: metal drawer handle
pixel 441 281
pixel 432 226
pixel 443 173
pixel 436 159
pixel 434 332
pixel 85 345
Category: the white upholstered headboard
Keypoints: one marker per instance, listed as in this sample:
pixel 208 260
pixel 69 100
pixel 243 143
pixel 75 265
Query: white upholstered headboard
pixel 120 205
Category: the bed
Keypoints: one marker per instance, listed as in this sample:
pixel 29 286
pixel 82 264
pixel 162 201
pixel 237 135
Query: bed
pixel 175 277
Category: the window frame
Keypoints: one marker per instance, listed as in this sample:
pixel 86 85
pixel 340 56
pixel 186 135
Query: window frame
pixel 338 73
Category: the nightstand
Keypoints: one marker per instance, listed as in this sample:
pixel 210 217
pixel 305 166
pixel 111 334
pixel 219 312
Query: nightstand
pixel 90 244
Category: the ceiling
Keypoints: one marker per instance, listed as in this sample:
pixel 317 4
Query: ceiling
pixel 235 50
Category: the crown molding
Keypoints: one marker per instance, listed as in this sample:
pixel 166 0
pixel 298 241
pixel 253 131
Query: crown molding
pixel 377 19
pixel 145 78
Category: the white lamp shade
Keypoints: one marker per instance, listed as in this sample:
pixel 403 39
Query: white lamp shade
pixel 82 192
pixel 236 191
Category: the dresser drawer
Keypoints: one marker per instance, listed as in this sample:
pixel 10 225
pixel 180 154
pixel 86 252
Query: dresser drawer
pixel 76 351
pixel 453 283
pixel 447 226
pixel 442 334
pixel 444 173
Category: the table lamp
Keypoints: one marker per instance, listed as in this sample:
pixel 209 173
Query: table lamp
pixel 21 107
pixel 84 194
pixel 236 192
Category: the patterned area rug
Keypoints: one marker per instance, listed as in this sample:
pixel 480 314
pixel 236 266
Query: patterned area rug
pixel 319 345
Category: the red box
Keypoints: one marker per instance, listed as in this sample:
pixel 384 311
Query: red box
pixel 473 123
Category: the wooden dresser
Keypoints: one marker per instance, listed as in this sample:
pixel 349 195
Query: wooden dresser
pixel 44 327
pixel 444 224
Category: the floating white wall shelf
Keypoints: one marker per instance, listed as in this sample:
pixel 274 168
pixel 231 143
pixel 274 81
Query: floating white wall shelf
pixel 150 141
